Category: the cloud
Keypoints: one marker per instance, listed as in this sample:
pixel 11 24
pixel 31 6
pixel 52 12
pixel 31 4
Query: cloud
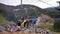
pixel 38 3
pixel 10 2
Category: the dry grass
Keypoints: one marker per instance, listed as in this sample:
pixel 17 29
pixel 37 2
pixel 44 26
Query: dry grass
pixel 16 33
pixel 57 32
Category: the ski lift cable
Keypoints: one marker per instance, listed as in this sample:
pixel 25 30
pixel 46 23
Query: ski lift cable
pixel 48 4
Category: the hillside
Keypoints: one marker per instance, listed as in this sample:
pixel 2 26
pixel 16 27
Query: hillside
pixel 3 20
pixel 13 13
pixel 22 10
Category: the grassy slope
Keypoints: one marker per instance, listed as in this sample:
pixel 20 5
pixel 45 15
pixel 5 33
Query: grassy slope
pixel 3 20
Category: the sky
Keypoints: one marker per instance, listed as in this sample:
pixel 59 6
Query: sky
pixel 44 4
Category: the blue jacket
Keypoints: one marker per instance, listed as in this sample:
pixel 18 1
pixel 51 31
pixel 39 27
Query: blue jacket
pixel 33 20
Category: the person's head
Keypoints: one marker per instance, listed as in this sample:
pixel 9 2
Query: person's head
pixel 28 17
pixel 22 18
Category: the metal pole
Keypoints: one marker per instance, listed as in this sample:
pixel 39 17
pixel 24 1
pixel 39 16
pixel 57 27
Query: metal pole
pixel 21 2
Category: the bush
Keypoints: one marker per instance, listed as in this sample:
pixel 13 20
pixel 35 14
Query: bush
pixel 57 25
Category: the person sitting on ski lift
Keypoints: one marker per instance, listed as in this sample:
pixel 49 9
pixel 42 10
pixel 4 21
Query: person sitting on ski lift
pixel 28 21
pixel 20 21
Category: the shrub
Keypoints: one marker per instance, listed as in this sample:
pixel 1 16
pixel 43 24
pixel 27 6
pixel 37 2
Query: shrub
pixel 57 25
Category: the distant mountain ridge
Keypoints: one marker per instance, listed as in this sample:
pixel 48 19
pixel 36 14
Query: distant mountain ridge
pixel 53 9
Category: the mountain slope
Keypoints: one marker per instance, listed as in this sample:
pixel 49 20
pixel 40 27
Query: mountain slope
pixel 20 10
pixel 3 20
pixel 11 13
pixel 53 9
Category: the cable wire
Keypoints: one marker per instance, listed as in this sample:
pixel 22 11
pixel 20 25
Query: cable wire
pixel 48 4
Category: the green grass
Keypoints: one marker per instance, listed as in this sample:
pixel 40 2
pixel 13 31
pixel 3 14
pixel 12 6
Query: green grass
pixel 3 20
pixel 50 27
pixel 57 32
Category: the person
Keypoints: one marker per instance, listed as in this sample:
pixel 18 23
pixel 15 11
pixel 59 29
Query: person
pixel 20 21
pixel 39 21
pixel 28 21
pixel 33 20
pixel 46 18
pixel 23 23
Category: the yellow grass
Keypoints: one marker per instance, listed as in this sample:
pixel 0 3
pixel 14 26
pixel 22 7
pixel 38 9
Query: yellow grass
pixel 57 32
pixel 16 33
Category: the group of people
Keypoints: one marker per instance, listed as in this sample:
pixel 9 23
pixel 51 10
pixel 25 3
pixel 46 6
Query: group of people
pixel 32 21
pixel 25 25
pixel 26 22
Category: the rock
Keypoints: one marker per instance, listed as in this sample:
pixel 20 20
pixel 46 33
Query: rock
pixel 27 30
